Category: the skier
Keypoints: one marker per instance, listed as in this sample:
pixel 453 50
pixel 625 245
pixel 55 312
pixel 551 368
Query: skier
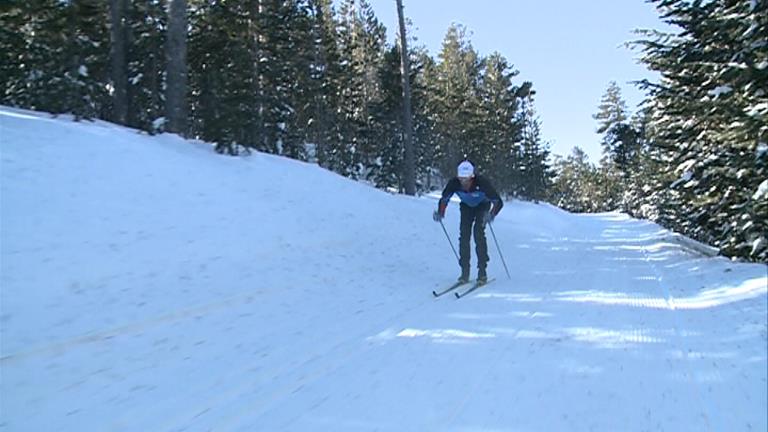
pixel 480 203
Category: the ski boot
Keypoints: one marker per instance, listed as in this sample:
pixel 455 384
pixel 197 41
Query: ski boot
pixel 464 278
pixel 482 277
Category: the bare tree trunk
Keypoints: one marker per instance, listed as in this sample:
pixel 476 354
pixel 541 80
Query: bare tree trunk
pixel 256 30
pixel 409 173
pixel 119 71
pixel 176 68
pixel 319 59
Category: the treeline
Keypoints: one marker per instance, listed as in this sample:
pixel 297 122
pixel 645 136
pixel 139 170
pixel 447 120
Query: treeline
pixel 694 158
pixel 307 80
pixel 299 78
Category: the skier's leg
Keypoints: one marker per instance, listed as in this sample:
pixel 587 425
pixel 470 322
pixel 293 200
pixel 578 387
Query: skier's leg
pixel 481 245
pixel 465 231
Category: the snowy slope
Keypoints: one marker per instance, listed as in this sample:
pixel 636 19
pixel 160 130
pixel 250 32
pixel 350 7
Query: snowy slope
pixel 148 284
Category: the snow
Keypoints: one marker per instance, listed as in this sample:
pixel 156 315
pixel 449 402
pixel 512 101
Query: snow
pixel 758 244
pixel 762 191
pixel 762 150
pixel 757 110
pixel 685 176
pixel 720 90
pixel 159 123
pixel 686 166
pixel 150 284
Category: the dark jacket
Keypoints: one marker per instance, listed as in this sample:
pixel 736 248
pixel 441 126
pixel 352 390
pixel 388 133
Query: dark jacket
pixel 480 192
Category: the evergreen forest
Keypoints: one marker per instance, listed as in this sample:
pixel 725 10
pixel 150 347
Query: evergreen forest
pixel 318 81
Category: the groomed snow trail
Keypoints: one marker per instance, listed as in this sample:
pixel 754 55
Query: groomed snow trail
pixel 149 284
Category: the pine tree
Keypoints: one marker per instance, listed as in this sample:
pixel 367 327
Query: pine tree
pixel 260 75
pixel 86 55
pixel 300 81
pixel 386 116
pixel 227 101
pixel 456 101
pixel 620 140
pixel 646 192
pixel 574 182
pixel 498 146
pixel 322 125
pixel 621 144
pixel 636 170
pixel 423 71
pixel 119 61
pixel 535 174
pixel 57 55
pixel 14 58
pixel 361 42
pixel 283 69
pixel 176 69
pixel 708 116
pixel 340 153
pixel 612 108
pixel 146 64
pixel 409 168
pixel 44 57
pixel 387 123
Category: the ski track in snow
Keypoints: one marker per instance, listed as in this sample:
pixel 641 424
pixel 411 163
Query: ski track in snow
pixel 151 285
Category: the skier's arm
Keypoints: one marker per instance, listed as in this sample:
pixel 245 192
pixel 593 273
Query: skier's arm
pixel 450 189
pixel 493 196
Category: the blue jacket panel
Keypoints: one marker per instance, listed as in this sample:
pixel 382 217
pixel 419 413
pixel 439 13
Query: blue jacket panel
pixel 480 192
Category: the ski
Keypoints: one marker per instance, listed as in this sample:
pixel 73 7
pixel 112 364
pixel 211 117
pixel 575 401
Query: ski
pixel 474 287
pixel 449 289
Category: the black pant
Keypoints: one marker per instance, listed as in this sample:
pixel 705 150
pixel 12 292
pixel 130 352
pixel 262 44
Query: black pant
pixel 473 216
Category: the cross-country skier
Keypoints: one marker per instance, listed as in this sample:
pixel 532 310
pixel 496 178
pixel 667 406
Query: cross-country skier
pixel 480 203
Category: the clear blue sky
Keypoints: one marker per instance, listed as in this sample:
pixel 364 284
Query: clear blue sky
pixel 569 49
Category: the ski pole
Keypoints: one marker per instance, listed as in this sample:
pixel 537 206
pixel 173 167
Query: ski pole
pixel 449 240
pixel 499 249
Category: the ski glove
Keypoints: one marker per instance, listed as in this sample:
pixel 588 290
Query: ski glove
pixel 488 218
pixel 439 214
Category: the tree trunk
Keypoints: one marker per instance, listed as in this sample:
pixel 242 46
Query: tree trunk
pixel 256 33
pixel 409 173
pixel 176 68
pixel 119 71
